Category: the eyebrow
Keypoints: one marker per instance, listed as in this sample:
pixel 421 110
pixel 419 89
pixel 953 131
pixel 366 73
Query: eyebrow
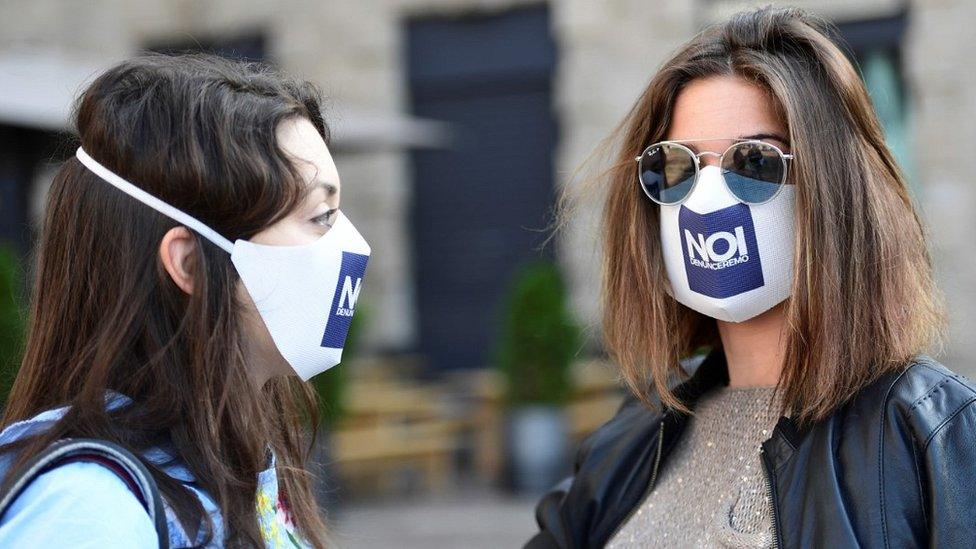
pixel 329 188
pixel 755 136
pixel 760 136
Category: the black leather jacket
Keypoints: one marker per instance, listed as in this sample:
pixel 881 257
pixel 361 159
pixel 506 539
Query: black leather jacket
pixel 893 467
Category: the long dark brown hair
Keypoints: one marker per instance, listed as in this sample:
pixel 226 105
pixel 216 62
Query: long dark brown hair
pixel 198 132
pixel 863 300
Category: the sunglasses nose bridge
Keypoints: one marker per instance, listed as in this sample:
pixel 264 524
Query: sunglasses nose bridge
pixel 702 161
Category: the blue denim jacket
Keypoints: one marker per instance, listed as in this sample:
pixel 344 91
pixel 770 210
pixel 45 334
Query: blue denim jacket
pixel 86 505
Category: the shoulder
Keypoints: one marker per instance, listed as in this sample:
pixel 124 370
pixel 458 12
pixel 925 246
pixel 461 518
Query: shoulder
pixel 636 424
pixel 926 396
pixel 609 462
pixel 77 505
pixel 633 426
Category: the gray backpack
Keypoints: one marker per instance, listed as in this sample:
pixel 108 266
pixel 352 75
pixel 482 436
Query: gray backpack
pixel 111 456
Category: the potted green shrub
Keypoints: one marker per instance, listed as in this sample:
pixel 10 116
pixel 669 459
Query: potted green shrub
pixel 11 319
pixel 330 385
pixel 330 388
pixel 537 344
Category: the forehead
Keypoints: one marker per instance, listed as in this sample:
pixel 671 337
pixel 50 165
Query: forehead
pixel 300 140
pixel 723 107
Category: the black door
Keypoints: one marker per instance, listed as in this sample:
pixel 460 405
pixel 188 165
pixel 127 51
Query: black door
pixel 480 207
pixel 23 151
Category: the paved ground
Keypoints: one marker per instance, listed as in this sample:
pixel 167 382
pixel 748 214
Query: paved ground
pixel 472 520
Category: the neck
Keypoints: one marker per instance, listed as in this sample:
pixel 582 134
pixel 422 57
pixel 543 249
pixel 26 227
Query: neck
pixel 754 349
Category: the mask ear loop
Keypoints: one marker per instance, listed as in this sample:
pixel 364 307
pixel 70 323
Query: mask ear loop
pixel 153 202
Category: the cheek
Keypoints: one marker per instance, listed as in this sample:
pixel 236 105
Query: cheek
pixel 290 231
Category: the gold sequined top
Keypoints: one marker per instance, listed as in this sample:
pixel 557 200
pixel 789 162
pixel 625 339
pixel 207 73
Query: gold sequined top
pixel 711 490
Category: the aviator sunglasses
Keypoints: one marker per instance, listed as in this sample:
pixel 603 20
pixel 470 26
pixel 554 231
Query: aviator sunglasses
pixel 754 171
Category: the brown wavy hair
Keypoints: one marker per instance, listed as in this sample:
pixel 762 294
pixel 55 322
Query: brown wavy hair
pixel 863 301
pixel 198 132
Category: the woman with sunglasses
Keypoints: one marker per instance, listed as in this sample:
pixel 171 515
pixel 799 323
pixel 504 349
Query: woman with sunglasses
pixel 193 271
pixel 754 212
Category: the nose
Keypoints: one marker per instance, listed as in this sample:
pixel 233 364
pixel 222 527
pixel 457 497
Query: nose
pixel 704 159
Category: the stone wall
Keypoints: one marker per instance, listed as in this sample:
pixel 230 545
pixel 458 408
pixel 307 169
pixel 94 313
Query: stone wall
pixel 608 51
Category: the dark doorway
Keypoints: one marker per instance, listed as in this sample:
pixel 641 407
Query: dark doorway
pixel 23 151
pixel 480 207
pixel 246 47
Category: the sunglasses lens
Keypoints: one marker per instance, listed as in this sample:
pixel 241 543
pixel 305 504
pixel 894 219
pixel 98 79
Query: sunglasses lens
pixel 753 171
pixel 667 173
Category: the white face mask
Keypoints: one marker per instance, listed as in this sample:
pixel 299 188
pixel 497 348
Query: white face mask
pixel 306 294
pixel 727 259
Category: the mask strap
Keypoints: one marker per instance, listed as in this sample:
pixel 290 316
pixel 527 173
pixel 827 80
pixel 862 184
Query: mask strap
pixel 153 202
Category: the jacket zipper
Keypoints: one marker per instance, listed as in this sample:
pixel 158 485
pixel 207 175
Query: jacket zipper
pixel 767 477
pixel 650 486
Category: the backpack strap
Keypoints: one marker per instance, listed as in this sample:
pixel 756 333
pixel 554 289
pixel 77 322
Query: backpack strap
pixel 120 461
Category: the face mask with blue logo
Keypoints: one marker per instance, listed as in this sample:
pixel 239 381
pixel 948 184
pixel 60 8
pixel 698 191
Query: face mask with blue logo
pixel 727 259
pixel 306 295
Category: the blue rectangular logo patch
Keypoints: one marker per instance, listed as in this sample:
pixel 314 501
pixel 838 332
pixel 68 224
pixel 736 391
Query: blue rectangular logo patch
pixel 351 275
pixel 720 252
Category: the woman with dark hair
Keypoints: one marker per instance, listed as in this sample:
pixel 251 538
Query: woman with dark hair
pixel 193 264
pixel 753 210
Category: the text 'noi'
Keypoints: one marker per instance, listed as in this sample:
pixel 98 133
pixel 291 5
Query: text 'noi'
pixel 709 257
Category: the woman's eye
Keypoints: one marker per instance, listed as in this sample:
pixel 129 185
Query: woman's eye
pixel 325 219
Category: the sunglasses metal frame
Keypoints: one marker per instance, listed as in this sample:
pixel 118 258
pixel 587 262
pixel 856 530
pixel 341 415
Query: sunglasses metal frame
pixel 785 158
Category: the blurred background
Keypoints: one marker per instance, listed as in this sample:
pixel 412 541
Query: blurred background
pixel 475 365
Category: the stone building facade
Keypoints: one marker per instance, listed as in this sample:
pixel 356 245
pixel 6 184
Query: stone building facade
pixel 605 53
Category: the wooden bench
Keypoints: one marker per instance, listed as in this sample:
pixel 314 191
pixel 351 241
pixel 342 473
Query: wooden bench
pixel 392 430
pixel 597 395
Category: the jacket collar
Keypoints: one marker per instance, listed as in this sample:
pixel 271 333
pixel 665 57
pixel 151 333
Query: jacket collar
pixel 710 373
pixel 713 372
pixel 163 457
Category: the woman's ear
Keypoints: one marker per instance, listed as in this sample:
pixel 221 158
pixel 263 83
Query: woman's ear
pixel 176 252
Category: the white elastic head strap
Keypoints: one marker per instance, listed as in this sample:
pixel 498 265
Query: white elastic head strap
pixel 153 202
